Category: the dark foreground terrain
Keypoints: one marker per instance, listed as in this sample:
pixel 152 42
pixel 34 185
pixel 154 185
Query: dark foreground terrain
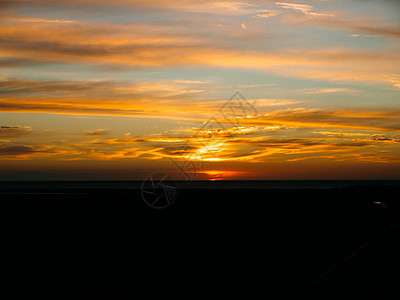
pixel 276 242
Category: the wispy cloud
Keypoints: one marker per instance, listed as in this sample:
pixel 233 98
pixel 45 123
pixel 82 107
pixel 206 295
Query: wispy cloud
pixel 14 131
pixel 22 19
pixel 226 7
pixel 96 132
pixel 16 150
pixel 332 91
pixel 304 8
pixel 370 25
pixel 148 46
pixel 387 120
pixel 342 134
pixel 266 15
pixel 232 144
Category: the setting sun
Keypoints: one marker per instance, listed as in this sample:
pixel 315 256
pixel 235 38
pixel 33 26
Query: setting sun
pixel 221 175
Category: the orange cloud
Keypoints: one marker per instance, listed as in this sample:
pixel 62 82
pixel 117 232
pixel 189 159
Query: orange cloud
pixel 242 144
pixel 384 120
pixel 14 131
pixel 223 7
pixel 332 90
pixel 140 45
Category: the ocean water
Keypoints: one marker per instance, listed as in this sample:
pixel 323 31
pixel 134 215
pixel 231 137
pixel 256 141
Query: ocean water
pixel 293 231
pixel 219 184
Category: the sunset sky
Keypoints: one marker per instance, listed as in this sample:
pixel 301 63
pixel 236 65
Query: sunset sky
pixel 117 90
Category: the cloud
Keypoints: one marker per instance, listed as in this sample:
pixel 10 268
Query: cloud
pixel 259 149
pixel 341 134
pixel 66 108
pixel 174 100
pixel 386 120
pixel 304 8
pixel 177 99
pixel 385 138
pixel 293 12
pixel 267 15
pixel 96 132
pixel 18 18
pixel 6 3
pixel 361 26
pixel 369 25
pixel 231 8
pixel 104 97
pixel 14 131
pixel 10 62
pixel 16 150
pixel 274 102
pixel 135 46
pixel 14 87
pixel 360 157
pixel 21 152
pixel 246 143
pixel 332 90
pixel 363 35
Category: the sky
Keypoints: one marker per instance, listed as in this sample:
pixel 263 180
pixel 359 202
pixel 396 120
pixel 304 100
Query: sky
pixel 201 90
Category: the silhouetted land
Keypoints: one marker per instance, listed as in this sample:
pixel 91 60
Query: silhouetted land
pixel 279 240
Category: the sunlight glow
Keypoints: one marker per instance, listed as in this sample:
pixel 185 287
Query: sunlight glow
pixel 221 174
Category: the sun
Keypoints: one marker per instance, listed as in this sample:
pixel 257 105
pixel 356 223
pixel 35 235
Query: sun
pixel 220 174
